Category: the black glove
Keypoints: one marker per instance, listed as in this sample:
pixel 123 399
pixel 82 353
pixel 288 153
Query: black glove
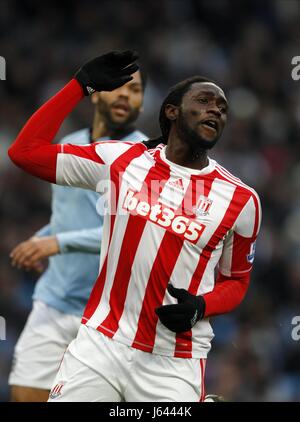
pixel 107 72
pixel 183 316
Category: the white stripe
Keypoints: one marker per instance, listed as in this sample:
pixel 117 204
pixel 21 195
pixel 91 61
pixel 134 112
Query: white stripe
pixel 72 170
pixel 172 196
pixel 208 279
pixel 245 223
pixel 105 233
pixel 226 258
pixel 110 151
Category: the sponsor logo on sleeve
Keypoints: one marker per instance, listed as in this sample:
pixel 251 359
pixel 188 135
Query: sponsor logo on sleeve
pixel 250 256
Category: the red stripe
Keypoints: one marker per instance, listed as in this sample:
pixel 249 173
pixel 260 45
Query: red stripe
pixel 117 167
pixel 130 243
pixel 257 216
pixel 202 374
pixel 240 250
pixel 237 203
pixel 83 151
pixel 183 340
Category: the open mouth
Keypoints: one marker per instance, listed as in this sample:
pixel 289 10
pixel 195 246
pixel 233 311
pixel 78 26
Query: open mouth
pixel 211 124
pixel 121 108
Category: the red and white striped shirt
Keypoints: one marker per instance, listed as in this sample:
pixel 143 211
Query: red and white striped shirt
pixel 167 223
pixel 172 224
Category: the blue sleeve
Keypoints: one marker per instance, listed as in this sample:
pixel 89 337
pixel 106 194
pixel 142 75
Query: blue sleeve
pixel 44 231
pixel 88 240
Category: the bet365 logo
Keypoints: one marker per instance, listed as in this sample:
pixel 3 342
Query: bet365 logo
pixel 2 68
pixel 163 216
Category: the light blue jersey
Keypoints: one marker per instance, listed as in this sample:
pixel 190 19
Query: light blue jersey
pixel 69 278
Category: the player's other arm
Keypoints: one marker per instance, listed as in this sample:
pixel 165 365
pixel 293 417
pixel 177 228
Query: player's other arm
pixel 33 151
pixel 24 250
pixel 236 262
pixel 87 240
pixel 232 281
pixel 30 253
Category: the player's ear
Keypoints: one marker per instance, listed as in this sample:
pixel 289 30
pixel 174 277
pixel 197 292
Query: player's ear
pixel 171 111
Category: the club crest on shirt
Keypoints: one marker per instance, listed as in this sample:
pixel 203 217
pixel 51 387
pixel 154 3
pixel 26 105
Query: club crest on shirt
pixel 203 206
pixel 56 391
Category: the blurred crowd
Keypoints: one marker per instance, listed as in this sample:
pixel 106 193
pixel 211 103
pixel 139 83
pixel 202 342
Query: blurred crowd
pixel 247 47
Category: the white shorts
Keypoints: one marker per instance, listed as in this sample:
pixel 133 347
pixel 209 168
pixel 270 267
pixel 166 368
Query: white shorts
pixel 98 368
pixel 41 346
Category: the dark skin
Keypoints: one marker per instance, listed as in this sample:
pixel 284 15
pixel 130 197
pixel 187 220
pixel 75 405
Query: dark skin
pixel 196 124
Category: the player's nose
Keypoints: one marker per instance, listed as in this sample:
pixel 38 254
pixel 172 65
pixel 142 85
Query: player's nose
pixel 123 91
pixel 214 109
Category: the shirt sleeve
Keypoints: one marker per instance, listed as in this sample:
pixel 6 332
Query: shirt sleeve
pixel 236 261
pixel 44 231
pixel 88 240
pixel 72 165
pixel 80 166
pixel 239 246
pixel 85 166
pixel 34 152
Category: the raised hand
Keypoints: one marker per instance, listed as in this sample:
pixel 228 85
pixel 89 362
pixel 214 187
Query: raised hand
pixel 107 72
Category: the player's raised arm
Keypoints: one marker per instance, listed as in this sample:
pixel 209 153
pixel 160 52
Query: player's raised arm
pixel 32 149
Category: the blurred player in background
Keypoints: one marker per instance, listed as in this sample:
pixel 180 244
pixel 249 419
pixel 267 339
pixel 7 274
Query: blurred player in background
pixel 145 332
pixel 72 241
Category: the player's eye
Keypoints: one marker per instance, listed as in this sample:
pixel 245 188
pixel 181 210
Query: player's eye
pixel 202 100
pixel 223 109
pixel 136 89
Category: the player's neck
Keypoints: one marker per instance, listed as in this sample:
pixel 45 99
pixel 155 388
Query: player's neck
pixel 181 153
pixel 99 128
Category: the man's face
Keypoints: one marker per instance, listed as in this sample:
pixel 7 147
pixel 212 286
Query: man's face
pixel 122 106
pixel 202 115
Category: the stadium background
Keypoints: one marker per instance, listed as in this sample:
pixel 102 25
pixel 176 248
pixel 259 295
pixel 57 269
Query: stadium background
pixel 247 47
